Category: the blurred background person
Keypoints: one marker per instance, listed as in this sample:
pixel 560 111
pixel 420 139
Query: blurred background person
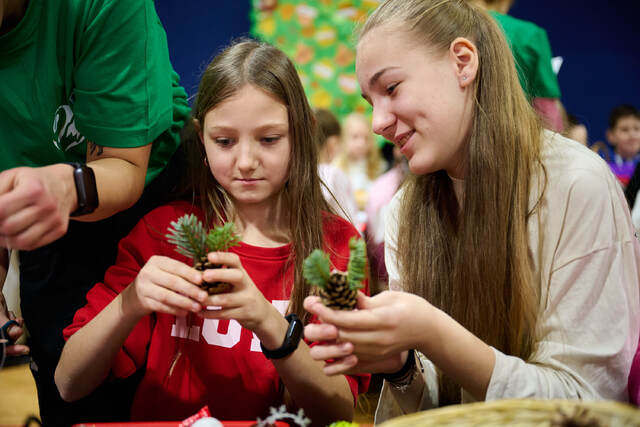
pixel 576 130
pixel 360 159
pixel 337 188
pixel 623 135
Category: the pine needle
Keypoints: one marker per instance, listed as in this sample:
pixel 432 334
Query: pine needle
pixel 316 268
pixel 222 238
pixel 357 263
pixel 189 236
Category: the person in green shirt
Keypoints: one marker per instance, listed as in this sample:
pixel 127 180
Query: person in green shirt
pixel 91 113
pixel 532 52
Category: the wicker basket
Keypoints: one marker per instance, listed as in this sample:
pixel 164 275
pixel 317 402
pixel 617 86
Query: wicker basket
pixel 525 413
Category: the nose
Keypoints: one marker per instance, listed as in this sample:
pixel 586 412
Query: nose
pixel 383 121
pixel 247 159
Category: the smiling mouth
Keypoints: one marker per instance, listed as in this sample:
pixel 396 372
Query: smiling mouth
pixel 402 139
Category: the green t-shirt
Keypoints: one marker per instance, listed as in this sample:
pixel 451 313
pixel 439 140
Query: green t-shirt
pixel 532 53
pixel 87 70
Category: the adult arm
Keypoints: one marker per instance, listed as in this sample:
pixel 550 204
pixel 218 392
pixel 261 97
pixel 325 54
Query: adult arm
pixel 35 203
pixel 122 100
pixel 549 110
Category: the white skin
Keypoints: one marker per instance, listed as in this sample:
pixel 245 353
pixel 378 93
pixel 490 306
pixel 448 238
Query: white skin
pixel 422 102
pixel 246 138
pixel 35 203
pixel 625 136
pixel 357 138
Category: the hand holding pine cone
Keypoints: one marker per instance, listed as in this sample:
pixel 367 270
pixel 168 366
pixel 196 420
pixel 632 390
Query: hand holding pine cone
pixel 338 289
pixel 191 240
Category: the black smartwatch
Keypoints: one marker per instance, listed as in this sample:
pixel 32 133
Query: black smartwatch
pixel 86 189
pixel 291 339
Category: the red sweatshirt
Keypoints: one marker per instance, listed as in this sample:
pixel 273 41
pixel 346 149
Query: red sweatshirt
pixel 221 364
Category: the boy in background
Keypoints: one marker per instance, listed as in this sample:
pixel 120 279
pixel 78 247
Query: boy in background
pixel 623 135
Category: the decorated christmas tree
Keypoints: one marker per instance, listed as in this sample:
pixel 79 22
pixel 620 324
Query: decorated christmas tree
pixel 193 241
pixel 338 289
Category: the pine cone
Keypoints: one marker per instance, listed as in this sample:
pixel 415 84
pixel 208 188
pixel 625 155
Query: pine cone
pixel 215 287
pixel 337 294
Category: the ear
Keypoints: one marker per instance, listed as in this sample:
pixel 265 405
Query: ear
pixel 464 57
pixel 198 128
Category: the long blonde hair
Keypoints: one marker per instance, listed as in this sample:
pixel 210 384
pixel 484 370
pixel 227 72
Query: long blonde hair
pixel 374 159
pixel 473 261
pixel 268 68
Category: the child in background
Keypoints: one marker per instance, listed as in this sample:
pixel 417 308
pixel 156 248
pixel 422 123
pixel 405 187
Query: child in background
pixel 576 130
pixel 360 159
pixel 337 188
pixel 382 191
pixel 624 136
pixel 254 163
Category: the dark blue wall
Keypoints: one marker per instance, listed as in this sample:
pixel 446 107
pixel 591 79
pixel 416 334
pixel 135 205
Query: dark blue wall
pixel 599 41
pixel 198 29
pixel 600 44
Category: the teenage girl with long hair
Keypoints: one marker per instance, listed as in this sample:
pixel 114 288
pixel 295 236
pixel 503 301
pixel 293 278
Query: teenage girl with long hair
pixel 510 250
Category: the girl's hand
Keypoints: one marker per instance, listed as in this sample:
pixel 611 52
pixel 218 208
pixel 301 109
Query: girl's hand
pixel 372 338
pixel 165 285
pixel 244 303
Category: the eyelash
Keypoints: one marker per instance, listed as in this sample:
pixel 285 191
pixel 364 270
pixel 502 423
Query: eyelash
pixel 270 139
pixel 225 142
pixel 391 89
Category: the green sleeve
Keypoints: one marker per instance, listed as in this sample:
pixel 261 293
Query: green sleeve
pixel 165 145
pixel 122 74
pixel 544 83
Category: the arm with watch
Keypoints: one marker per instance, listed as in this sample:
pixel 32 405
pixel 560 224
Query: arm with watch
pixel 324 399
pixel 37 203
pixel 166 285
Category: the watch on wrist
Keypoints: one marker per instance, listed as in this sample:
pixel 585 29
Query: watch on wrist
pixel 86 189
pixel 291 339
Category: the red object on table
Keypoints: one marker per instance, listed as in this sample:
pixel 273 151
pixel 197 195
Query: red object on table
pixel 171 424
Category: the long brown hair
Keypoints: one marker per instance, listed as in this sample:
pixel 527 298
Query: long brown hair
pixel 473 261
pixel 268 68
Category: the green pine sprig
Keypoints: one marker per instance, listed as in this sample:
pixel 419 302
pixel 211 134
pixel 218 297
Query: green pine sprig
pixel 316 268
pixel 189 236
pixel 356 269
pixel 222 238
